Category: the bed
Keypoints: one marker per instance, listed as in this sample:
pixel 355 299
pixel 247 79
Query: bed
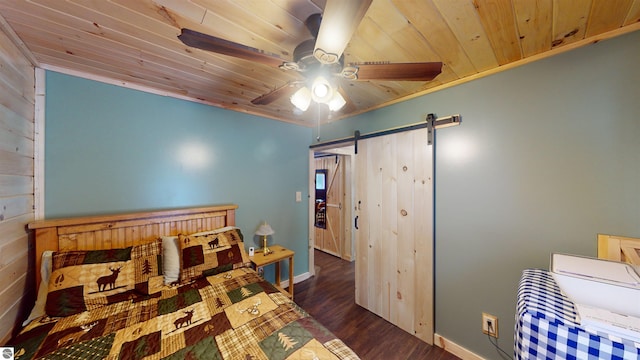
pixel 547 323
pixel 172 284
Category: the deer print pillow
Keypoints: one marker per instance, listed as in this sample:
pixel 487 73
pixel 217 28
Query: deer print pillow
pixel 211 253
pixel 85 280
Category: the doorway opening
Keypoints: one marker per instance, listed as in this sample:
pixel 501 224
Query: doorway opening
pixel 330 209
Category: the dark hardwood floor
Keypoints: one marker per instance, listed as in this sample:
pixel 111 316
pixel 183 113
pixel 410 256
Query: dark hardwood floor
pixel 329 297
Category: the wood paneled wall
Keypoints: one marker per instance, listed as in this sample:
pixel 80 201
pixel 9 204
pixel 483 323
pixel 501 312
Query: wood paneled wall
pixel 17 104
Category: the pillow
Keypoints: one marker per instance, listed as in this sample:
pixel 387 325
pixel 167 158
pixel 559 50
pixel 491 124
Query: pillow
pixel 45 273
pixel 88 279
pixel 211 253
pixel 170 259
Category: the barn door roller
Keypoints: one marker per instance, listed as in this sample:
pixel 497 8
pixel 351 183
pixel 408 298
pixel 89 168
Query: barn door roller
pixel 439 123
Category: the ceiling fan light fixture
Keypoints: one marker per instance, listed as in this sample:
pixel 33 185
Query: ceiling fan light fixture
pixel 337 102
pixel 321 90
pixel 301 99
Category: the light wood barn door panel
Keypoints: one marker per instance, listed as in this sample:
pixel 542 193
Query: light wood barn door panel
pixel 332 239
pixel 394 236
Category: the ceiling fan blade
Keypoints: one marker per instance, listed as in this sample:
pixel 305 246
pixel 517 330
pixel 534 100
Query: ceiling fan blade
pixel 285 90
pixel 221 46
pixel 339 21
pixel 425 71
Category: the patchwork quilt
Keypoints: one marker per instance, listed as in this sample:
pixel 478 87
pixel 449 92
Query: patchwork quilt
pixel 231 315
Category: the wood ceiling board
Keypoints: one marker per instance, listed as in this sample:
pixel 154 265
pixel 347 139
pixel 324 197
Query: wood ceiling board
pixel 59 62
pixel 611 15
pixel 385 44
pixel 498 19
pixel 155 42
pixel 245 28
pixel 299 8
pixel 186 9
pixel 634 14
pixel 117 79
pixel 407 37
pixel 208 92
pixel 534 19
pixel 386 48
pixel 119 59
pixel 232 62
pixel 569 21
pixel 53 22
pixel 425 17
pixel 247 75
pixel 462 17
pixel 275 16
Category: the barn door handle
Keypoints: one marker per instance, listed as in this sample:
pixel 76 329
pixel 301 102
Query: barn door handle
pixel 356 222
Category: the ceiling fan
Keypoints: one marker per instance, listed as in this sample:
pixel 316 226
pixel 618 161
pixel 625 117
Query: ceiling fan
pixel 320 60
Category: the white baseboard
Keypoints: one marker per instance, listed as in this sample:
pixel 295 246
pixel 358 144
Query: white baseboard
pixel 455 349
pixel 296 279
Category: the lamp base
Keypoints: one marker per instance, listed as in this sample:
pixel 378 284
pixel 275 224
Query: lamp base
pixel 265 249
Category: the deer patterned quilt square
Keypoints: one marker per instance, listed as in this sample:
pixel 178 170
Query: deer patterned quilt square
pixel 85 280
pixel 211 254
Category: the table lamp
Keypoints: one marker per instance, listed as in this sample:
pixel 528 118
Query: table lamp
pixel 265 230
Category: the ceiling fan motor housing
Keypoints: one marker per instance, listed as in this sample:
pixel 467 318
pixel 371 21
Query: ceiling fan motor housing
pixel 307 63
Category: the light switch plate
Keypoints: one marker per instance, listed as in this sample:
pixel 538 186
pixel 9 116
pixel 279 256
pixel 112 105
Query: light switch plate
pixel 298 196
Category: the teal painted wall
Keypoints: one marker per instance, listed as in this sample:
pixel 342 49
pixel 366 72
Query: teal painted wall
pixel 547 157
pixel 111 150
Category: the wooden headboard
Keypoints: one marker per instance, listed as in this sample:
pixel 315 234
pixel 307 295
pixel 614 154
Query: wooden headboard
pixel 619 248
pixel 122 230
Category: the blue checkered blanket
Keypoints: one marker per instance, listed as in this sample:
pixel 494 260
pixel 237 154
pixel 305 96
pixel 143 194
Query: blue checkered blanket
pixel 547 326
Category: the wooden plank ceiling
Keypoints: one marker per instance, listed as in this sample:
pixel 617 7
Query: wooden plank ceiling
pixel 134 43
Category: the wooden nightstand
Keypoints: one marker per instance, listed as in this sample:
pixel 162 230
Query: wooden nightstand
pixel 279 253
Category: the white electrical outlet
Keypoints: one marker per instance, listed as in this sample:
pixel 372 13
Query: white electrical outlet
pixel 490 325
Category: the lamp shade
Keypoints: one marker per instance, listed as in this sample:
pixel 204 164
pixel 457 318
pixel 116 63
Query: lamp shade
pixel 301 98
pixel 337 102
pixel 264 230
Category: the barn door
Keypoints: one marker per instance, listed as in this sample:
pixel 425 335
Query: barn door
pixel 394 230
pixel 330 236
pixel 333 237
